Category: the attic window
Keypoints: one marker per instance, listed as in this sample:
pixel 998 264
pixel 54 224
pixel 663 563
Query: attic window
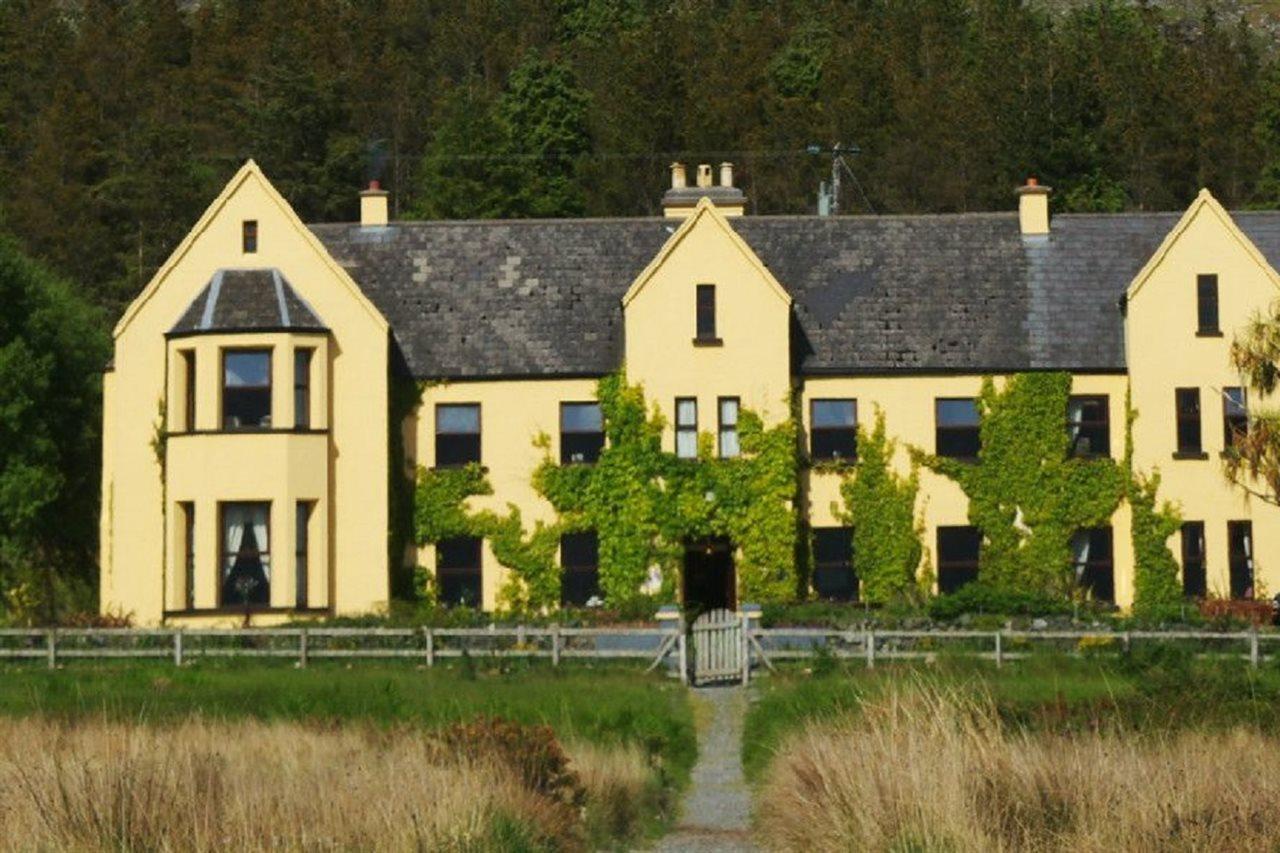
pixel 706 316
pixel 249 236
pixel 1207 304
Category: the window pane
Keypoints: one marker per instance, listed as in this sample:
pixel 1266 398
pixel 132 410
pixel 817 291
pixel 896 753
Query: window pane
pixel 833 574
pixel 302 517
pixel 1207 302
pixel 246 546
pixel 457 449
pixel 247 369
pixel 686 412
pixel 582 447
pixel 963 412
pixel 729 447
pixel 958 553
pixel 687 444
pixel 959 443
pixel 833 444
pixel 1194 580
pixel 463 418
pixel 581 417
pixel 728 412
pixel 580 559
pixel 1235 402
pixel 302 388
pixel 706 320
pixel 1240 557
pixel 834 413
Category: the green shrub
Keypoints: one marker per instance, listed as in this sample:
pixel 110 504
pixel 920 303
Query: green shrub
pixel 977 597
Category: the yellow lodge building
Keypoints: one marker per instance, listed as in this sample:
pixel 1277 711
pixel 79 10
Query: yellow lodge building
pixel 277 384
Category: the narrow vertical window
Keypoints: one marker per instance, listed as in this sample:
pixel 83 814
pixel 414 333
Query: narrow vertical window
pixel 706 305
pixel 686 427
pixel 959 549
pixel 1088 426
pixel 458 571
pixel 1235 416
pixel 457 434
pixel 189 554
pixel 833 430
pixel 249 236
pixel 957 431
pixel 1240 557
pixel 1207 304
pixel 833 575
pixel 1194 583
pixel 1187 403
pixel 189 389
pixel 581 433
pixel 1092 559
pixel 728 433
pixel 580 561
pixel 302 388
pixel 301 551
pixel 246 554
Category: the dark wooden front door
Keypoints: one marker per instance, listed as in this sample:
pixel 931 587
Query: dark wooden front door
pixel 710 582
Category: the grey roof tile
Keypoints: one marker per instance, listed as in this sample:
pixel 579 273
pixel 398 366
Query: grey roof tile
pixel 247 300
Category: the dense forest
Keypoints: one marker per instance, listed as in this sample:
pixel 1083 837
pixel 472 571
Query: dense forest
pixel 121 119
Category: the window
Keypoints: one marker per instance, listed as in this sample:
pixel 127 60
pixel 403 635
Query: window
pixel 458 571
pixel 1187 402
pixel 833 574
pixel 581 433
pixel 1092 559
pixel 686 428
pixel 580 559
pixel 457 434
pixel 249 236
pixel 301 550
pixel 246 554
pixel 302 388
pixel 706 314
pixel 833 430
pixel 1089 425
pixel 1235 416
pixel 1207 304
pixel 957 428
pixel 188 389
pixel 727 438
pixel 188 554
pixel 958 550
pixel 1194 583
pixel 246 389
pixel 1240 557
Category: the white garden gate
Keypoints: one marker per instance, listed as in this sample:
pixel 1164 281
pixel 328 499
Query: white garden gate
pixel 719 647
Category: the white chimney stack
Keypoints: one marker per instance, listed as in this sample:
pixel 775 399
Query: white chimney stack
pixel 726 174
pixel 1033 209
pixel 704 174
pixel 373 206
pixel 678 178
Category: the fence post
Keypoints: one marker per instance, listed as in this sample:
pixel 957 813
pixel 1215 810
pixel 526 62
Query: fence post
pixel 871 649
pixel 304 648
pixel 555 644
pixel 1253 647
pixel 746 650
pixel 51 647
pixel 430 635
pixel 999 649
pixel 177 647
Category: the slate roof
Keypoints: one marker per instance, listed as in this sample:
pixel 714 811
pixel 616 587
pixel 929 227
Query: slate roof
pixel 242 300
pixel 872 294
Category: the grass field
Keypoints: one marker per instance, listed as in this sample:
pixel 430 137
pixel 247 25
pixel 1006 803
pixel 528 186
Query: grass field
pixel 1157 752
pixel 104 732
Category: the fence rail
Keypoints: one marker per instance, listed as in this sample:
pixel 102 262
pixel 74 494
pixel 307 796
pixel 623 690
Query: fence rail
pixel 762 647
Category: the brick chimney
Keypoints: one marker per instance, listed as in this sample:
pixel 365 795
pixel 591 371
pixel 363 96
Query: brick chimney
pixel 373 206
pixel 679 201
pixel 1033 209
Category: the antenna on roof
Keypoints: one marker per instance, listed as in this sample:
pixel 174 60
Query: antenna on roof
pixel 829 194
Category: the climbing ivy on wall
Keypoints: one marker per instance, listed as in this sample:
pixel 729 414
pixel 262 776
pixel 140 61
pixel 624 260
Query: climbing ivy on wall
pixel 1026 492
pixel 880 505
pixel 1156 587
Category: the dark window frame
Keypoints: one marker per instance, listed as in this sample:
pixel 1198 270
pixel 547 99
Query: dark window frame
pixel 589 442
pixel 1097 572
pixel 847 588
pixel 965 434
pixel 835 438
pixel 1188 423
pixel 468 577
pixel 267 389
pixel 967 567
pixel 1194 562
pixel 302 513
pixel 448 442
pixel 1086 428
pixel 723 429
pixel 1234 423
pixel 303 358
pixel 249 236
pixel 686 429
pixel 705 315
pixel 189 553
pixel 1242 567
pixel 263 555
pixel 579 581
pixel 1208 322
pixel 189 389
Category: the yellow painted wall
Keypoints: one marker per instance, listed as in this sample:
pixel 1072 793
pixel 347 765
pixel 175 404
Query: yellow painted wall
pixel 133 552
pixel 1164 352
pixel 512 415
pixel 908 406
pixel 753 321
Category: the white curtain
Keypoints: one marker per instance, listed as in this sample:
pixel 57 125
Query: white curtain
pixel 233 518
pixel 1080 545
pixel 1075 414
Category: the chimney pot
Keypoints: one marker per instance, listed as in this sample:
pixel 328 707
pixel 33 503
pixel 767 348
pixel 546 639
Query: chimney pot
pixel 1033 208
pixel 678 178
pixel 373 206
pixel 726 174
pixel 704 174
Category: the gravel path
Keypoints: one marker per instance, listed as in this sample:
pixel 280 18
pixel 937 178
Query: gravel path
pixel 716 814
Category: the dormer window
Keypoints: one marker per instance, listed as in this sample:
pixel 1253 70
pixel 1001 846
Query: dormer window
pixel 249 236
pixel 246 389
pixel 706 319
pixel 1207 304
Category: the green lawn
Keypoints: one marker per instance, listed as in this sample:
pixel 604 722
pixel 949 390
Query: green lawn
pixel 1155 691
pixel 598 704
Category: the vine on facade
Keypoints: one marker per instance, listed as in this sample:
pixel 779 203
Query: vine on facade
pixel 1156 591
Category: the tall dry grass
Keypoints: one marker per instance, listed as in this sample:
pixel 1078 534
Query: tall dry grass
pixel 931 769
pixel 249 785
